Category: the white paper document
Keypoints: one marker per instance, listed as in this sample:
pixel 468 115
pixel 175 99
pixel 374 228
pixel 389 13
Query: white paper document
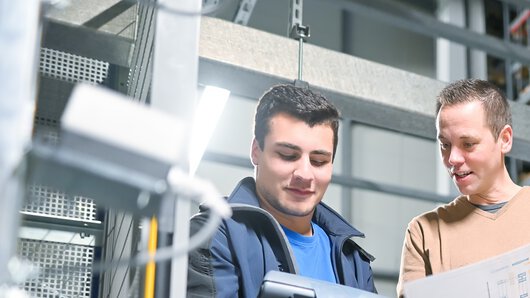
pixel 503 276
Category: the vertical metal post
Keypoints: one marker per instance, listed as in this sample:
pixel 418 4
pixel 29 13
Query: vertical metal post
pixel 174 90
pixel 295 15
pixel 347 164
pixel 298 31
pixel 346 35
pixel 476 17
pixel 19 45
pixel 507 62
pixel 300 57
pixel 451 58
pixel 347 127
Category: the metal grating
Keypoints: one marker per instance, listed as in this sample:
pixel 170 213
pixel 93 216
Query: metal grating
pixel 72 68
pixel 48 201
pixel 47 129
pixel 139 81
pixel 59 70
pixel 64 269
pixel 121 243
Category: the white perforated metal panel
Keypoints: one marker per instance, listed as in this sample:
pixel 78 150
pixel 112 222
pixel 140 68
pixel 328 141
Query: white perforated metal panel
pixel 72 68
pixel 48 201
pixel 64 269
pixel 47 129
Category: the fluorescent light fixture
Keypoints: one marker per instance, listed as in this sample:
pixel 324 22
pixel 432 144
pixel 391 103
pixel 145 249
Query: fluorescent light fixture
pixel 207 113
pixel 106 116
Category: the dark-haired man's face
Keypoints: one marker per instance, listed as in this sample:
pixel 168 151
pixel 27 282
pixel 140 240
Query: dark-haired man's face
pixel 294 168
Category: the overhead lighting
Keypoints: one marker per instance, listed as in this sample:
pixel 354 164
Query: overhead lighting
pixel 207 113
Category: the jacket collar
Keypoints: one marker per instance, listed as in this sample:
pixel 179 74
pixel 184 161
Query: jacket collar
pixel 244 193
pixel 333 223
pixel 325 217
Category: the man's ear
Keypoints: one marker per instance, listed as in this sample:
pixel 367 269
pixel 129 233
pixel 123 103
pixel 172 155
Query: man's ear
pixel 255 152
pixel 506 139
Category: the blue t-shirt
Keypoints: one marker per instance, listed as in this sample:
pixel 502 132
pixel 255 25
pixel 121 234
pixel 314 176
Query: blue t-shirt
pixel 312 253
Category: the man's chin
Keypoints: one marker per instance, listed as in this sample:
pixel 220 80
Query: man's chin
pixel 465 190
pixel 298 212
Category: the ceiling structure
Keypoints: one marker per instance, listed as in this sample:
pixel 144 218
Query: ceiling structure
pixel 251 59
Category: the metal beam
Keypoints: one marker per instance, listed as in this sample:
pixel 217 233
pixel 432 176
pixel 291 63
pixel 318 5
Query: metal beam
pixel 109 14
pixel 87 43
pixel 519 3
pixel 401 15
pixel 56 223
pixel 247 62
pixel 174 90
pixel 344 180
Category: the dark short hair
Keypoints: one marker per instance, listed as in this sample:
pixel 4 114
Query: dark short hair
pixel 298 102
pixel 496 106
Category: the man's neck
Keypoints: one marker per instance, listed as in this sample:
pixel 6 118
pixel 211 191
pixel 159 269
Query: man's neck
pixel 299 224
pixel 304 229
pixel 496 195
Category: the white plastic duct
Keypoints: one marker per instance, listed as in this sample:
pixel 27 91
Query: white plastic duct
pixel 19 44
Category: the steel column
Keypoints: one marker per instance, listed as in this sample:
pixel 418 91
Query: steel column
pixel 174 90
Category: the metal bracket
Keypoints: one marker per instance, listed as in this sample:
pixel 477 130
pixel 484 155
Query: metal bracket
pixel 244 11
pixel 298 31
pixel 295 14
pixel 301 84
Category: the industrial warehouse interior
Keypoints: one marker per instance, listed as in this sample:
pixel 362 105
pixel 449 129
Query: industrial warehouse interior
pixel 92 187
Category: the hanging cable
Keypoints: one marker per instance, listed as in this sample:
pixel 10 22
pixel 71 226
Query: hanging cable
pixel 181 186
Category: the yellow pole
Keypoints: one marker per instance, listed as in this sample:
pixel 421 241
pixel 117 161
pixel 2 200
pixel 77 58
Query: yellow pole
pixel 151 266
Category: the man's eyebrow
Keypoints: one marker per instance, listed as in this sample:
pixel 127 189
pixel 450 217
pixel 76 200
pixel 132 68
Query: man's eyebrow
pixel 321 152
pixel 294 147
pixel 464 137
pixel 287 145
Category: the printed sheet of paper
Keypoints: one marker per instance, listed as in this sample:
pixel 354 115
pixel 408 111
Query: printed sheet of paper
pixel 504 276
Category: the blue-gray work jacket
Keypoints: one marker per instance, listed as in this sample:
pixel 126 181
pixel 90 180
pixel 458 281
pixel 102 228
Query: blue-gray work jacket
pixel 251 243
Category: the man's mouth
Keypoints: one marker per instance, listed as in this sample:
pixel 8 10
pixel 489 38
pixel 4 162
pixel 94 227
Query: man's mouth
pixel 461 174
pixel 302 192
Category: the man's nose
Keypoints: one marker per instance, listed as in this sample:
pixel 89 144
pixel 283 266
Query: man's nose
pixel 456 156
pixel 303 170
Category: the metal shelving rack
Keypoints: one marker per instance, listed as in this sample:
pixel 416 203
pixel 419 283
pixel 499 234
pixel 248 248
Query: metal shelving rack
pixel 517 28
pixel 61 232
pixel 114 48
pixel 64 234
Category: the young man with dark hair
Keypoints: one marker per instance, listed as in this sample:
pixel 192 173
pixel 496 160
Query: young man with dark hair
pixel 279 222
